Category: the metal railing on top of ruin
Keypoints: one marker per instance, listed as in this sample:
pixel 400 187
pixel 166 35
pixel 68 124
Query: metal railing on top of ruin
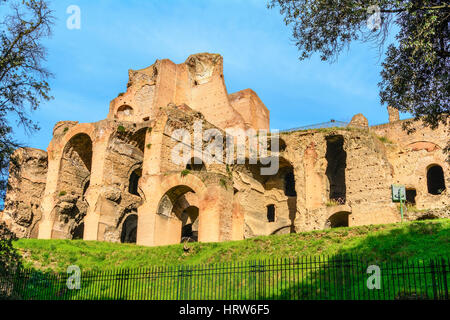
pixel 330 124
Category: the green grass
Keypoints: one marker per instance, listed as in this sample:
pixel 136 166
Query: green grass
pixel 412 240
pixel 384 139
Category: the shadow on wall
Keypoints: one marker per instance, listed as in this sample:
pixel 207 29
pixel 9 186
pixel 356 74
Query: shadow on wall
pixel 344 275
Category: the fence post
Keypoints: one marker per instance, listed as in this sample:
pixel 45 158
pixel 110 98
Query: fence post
pixel 433 280
pixel 253 280
pixel 444 278
pixel 124 291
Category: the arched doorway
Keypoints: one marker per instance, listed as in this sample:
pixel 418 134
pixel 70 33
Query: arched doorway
pixel 435 179
pixel 129 229
pixel 173 226
pixel 339 219
pixel 73 185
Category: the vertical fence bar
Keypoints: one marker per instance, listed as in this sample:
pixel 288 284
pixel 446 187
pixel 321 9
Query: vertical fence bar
pixel 444 278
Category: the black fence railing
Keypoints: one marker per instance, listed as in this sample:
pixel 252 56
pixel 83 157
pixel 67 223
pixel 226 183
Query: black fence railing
pixel 317 278
pixel 330 124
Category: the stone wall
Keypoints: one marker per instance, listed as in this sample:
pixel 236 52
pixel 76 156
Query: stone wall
pixel 198 83
pixel 116 179
pixel 26 184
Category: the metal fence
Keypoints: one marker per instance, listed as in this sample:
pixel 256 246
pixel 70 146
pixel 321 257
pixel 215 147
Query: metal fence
pixel 330 124
pixel 305 278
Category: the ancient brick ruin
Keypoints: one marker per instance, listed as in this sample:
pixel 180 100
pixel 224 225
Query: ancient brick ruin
pixel 114 180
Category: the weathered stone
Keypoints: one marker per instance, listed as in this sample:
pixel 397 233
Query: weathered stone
pixel 394 115
pixel 116 179
pixel 359 121
pixel 27 178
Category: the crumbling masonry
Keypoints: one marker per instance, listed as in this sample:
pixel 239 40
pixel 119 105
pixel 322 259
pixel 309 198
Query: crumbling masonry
pixel 114 180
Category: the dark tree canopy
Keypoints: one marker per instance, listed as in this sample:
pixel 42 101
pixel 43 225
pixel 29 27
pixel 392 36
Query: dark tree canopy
pixel 10 261
pixel 23 79
pixel 415 72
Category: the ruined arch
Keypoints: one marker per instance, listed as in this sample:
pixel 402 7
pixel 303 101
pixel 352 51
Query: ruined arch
pixel 125 112
pixel 179 193
pixel 435 179
pixel 423 145
pixel 338 219
pixel 72 186
pixel 170 198
pixel 124 159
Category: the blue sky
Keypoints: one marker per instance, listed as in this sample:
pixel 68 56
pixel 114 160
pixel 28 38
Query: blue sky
pixel 91 64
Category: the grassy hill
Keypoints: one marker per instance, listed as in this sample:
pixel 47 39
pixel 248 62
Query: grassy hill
pixel 412 240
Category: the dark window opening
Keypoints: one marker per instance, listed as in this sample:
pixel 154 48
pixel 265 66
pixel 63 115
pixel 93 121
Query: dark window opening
pixel 187 233
pixel 411 196
pixel 289 184
pixel 271 213
pixel 129 229
pixel 189 229
pixel 337 163
pixel 134 182
pixel 78 232
pixel 195 164
pixel 435 180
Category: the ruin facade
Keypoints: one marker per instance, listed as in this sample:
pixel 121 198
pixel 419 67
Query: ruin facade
pixel 115 180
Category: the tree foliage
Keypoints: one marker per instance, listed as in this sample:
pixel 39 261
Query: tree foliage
pixel 23 79
pixel 415 72
pixel 10 261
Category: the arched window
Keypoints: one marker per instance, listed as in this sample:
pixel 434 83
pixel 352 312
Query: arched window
pixel 129 229
pixel 134 182
pixel 195 164
pixel 76 165
pixel 435 180
pixel 271 213
pixel 124 112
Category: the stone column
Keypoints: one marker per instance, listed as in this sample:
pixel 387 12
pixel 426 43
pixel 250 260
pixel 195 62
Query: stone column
pixel 91 220
pixel 150 184
pixel 393 114
pixel 49 198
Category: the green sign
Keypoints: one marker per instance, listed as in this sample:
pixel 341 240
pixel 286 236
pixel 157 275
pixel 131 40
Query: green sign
pixel 398 192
